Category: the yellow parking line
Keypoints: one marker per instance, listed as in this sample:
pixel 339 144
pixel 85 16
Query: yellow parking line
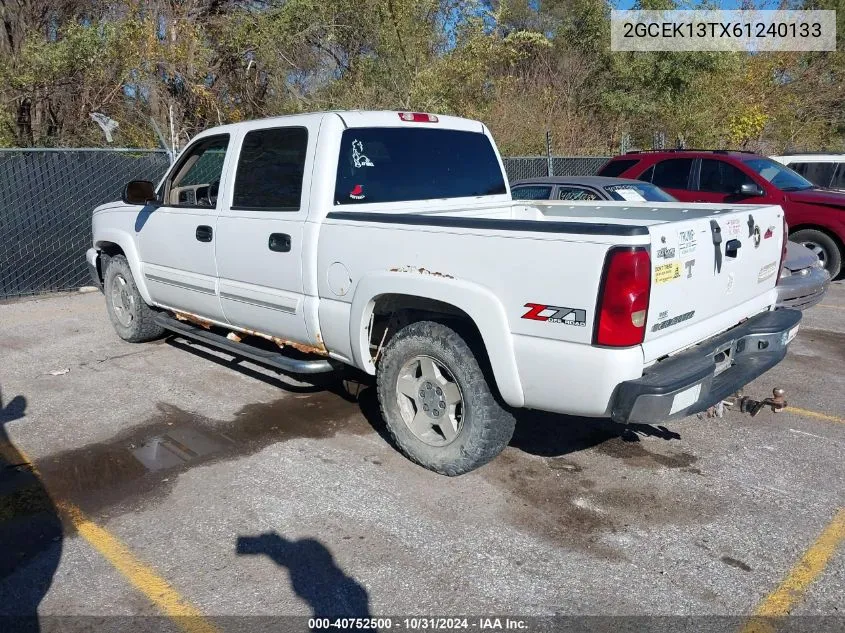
pixel 811 565
pixel 815 414
pixel 825 305
pixel 780 602
pixel 139 574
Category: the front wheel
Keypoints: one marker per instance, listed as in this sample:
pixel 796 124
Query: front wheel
pixel 437 402
pixel 133 320
pixel 824 246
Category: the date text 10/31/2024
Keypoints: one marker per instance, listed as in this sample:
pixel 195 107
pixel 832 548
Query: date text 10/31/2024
pixel 420 623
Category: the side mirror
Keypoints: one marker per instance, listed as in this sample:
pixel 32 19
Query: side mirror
pixel 139 192
pixel 750 189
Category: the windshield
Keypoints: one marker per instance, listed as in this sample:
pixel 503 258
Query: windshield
pixel 781 177
pixel 638 192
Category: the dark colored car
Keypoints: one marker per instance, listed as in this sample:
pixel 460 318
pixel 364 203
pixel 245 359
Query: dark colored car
pixel 816 216
pixel 802 284
pixel 587 188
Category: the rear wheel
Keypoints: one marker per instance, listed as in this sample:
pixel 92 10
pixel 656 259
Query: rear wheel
pixel 132 318
pixel 437 402
pixel 824 246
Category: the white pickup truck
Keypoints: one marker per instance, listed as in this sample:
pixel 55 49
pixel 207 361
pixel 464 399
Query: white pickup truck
pixel 389 241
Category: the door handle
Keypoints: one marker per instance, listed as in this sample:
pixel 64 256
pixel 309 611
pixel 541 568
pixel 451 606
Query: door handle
pixel 204 233
pixel 279 242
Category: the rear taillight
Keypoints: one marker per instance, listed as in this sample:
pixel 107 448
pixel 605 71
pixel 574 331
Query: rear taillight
pixel 783 249
pixel 418 117
pixel 623 300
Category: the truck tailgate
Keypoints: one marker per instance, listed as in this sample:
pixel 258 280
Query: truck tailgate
pixel 711 268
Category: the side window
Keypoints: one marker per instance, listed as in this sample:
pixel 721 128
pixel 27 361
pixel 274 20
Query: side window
pixel 720 177
pixel 576 193
pixel 820 174
pixel 196 179
pixel 838 181
pixel 270 170
pixel 647 175
pixel 616 167
pixel 801 168
pixel 531 192
pixel 672 173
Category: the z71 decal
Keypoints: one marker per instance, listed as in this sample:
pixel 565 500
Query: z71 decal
pixel 556 314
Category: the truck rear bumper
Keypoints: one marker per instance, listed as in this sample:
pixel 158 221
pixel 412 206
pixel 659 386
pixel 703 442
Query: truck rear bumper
pixel 711 371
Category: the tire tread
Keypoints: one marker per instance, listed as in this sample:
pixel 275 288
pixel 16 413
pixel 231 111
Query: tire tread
pixel 494 423
pixel 143 328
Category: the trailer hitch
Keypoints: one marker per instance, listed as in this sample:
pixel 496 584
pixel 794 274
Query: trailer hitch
pixel 744 404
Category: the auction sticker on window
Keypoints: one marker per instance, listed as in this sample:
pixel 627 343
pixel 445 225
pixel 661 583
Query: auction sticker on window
pixel 667 272
pixel 631 195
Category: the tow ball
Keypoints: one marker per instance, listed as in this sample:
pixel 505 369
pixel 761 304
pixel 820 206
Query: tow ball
pixel 744 404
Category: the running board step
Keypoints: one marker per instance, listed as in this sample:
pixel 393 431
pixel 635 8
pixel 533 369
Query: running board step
pixel 244 350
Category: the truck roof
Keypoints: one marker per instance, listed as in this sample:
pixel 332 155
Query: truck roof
pixel 354 119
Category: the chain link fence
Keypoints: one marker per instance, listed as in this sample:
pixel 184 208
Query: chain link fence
pixel 538 166
pixel 47 195
pixel 46 199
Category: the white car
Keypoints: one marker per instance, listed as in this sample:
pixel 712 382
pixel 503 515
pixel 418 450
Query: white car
pixel 389 241
pixel 823 170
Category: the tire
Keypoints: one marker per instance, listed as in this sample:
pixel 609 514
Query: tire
pixel 824 246
pixel 132 318
pixel 425 358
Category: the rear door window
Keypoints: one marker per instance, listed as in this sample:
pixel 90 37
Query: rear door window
pixel 616 167
pixel 405 163
pixel 673 173
pixel 270 170
pixel 531 192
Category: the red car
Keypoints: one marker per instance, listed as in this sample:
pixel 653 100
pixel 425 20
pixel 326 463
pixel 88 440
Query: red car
pixel 816 216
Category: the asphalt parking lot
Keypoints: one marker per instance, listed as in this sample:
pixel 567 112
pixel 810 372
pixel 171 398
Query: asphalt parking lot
pixel 168 479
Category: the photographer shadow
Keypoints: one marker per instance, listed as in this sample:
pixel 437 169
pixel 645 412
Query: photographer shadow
pixel 30 531
pixel 314 575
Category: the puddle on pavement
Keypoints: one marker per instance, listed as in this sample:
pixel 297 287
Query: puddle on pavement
pixel 139 462
pixel 634 454
pixel 573 505
pixel 550 501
